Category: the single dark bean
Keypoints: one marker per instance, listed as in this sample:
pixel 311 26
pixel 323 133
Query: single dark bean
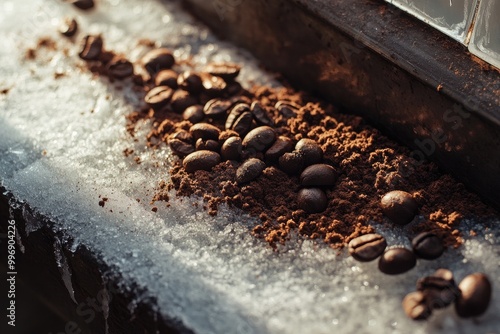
pixel 281 146
pixel 475 295
pixel 180 148
pixel 260 114
pixel 120 68
pixel 427 246
pixel 367 247
pixel 201 160
pixel 231 149
pixel 216 108
pixel 287 108
pixel 396 261
pixel 158 59
pixel 259 139
pixel 181 100
pixel 233 88
pixel 204 131
pixel 415 306
pixel 236 111
pixel 190 82
pixel 292 163
pixel 226 71
pixel 313 154
pixel 399 206
pixel 440 288
pixel 183 135
pixel 249 170
pixel 194 114
pixel 166 78
pixel 91 47
pixel 158 97
pixel 214 86
pixel 69 27
pixel 318 175
pixel 83 4
pixel 209 145
pixel 312 200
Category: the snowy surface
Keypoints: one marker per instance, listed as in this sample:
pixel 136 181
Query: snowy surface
pixel 207 271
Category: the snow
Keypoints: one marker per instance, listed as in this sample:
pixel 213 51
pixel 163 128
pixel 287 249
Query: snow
pixel 61 147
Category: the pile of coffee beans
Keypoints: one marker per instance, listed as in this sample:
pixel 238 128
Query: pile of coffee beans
pixel 471 297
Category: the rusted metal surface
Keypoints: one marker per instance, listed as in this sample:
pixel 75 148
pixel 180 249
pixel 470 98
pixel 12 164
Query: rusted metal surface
pixel 411 81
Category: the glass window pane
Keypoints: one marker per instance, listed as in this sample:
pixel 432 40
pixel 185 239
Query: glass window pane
pixel 485 42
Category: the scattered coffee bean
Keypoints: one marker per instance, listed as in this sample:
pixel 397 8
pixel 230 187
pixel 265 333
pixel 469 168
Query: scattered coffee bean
pixel 318 175
pixel 281 146
pixel 158 97
pixel 190 82
pixel 209 145
pixel 440 289
pixel 120 68
pixel 231 149
pixel 312 200
pixel 83 4
pixel 91 47
pixel 158 59
pixel 259 139
pixel 233 88
pixel 287 108
pixel 68 27
pixel 226 71
pixel 367 247
pixel 243 124
pixel 204 131
pixel 260 114
pixel 399 206
pixel 427 246
pixel 214 86
pixel 183 135
pixel 194 114
pixel 312 152
pixel 249 170
pixel 201 160
pixel 475 295
pixel 180 148
pixel 415 306
pixel 166 78
pixel 236 111
pixel 396 261
pixel 216 108
pixel 292 163
pixel 181 100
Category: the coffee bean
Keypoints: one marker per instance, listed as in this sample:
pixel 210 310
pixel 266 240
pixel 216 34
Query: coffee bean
pixel 204 131
pixel 367 247
pixel 181 100
pixel 217 108
pixel 158 97
pixel 427 246
pixel 166 78
pixel 318 175
pixel 399 206
pixel 231 149
pixel 236 111
pixel 233 88
pixel 183 135
pixel 292 163
pixel 396 261
pixel 226 71
pixel 158 59
pixel 201 160
pixel 214 86
pixel 440 288
pixel 249 170
pixel 83 4
pixel 91 47
pixel 209 145
pixel 475 295
pixel 415 306
pixel 120 68
pixel 243 124
pixel 260 114
pixel 259 139
pixel 313 154
pixel 287 108
pixel 281 146
pixel 194 114
pixel 68 27
pixel 190 82
pixel 312 200
pixel 180 148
